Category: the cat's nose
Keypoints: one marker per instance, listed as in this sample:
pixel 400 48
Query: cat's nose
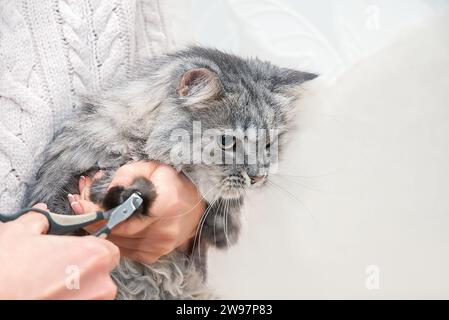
pixel 255 179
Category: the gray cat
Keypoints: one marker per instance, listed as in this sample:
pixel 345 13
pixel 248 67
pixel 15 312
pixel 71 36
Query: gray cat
pixel 134 119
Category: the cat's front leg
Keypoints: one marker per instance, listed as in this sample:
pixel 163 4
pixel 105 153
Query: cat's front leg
pixel 74 151
pixel 65 159
pixel 222 223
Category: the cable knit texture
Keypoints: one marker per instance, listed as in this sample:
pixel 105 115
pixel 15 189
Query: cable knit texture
pixel 52 51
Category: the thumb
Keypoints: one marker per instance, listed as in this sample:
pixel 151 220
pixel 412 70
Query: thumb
pixel 34 222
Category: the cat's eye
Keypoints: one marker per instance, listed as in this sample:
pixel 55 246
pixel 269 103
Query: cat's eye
pixel 226 142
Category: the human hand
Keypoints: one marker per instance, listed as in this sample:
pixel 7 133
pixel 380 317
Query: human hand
pixel 38 266
pixel 174 219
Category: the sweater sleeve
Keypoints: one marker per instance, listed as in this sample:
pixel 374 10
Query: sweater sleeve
pixel 50 53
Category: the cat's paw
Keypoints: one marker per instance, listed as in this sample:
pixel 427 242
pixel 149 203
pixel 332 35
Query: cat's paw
pixel 119 194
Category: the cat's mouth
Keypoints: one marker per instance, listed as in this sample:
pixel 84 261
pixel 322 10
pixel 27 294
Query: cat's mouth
pixel 234 186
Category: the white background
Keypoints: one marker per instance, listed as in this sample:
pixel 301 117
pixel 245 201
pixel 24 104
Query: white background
pixel 365 184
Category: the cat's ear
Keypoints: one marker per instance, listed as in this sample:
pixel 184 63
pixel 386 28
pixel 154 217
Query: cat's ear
pixel 286 84
pixel 198 85
pixel 286 79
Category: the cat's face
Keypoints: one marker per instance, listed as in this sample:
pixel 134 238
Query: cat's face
pixel 240 140
pixel 236 113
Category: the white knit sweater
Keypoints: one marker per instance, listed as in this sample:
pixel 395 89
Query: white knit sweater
pixel 50 52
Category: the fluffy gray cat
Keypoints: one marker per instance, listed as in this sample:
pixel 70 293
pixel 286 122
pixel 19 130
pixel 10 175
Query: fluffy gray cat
pixel 134 120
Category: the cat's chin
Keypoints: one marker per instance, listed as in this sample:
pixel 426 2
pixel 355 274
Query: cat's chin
pixel 232 193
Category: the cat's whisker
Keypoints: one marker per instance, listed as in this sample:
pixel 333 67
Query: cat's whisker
pixel 220 204
pixel 306 177
pixel 243 206
pixel 226 211
pixel 203 198
pixel 299 184
pixel 282 190
pixel 225 221
pixel 200 228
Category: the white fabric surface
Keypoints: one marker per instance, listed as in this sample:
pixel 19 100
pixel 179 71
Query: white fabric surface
pixel 327 36
pixel 373 147
pixel 52 51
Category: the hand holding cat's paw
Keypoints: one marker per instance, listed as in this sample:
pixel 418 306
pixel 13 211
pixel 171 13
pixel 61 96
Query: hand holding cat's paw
pixel 171 222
